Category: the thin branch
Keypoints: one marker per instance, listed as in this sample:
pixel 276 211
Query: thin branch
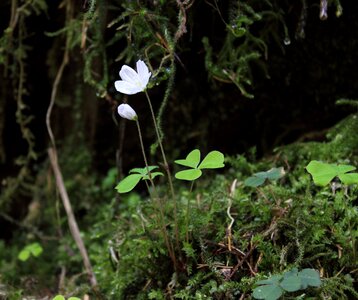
pixel 71 217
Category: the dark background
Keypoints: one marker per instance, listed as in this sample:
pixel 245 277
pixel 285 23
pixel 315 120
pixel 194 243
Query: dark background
pixel 294 100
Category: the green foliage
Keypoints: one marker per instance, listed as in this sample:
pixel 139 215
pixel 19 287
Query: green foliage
pixel 128 183
pixel 282 224
pixel 60 297
pixel 291 281
pixel 259 178
pixel 34 249
pixel 213 160
pixel 323 173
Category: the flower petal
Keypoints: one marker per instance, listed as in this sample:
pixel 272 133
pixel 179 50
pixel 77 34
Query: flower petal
pixel 128 74
pixel 143 73
pixel 126 87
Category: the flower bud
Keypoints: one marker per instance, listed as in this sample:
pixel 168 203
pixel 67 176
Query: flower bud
pixel 127 112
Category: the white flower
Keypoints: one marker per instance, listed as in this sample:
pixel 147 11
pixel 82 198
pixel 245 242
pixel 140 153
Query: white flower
pixel 127 112
pixel 133 82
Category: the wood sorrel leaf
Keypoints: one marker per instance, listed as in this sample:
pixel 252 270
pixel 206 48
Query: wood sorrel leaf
pixel 254 181
pixel 190 174
pixel 34 249
pixel 275 279
pixel 212 160
pixel 268 292
pixel 350 178
pixel 143 171
pixel 192 160
pixel 24 255
pixel 154 174
pixel 259 178
pixel 291 283
pixel 128 183
pixel 309 277
pixel 323 173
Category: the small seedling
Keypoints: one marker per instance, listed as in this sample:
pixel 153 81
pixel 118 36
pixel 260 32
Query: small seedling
pixel 34 249
pixel 128 183
pixel 275 286
pixel 259 178
pixel 323 173
pixel 60 297
pixel 213 160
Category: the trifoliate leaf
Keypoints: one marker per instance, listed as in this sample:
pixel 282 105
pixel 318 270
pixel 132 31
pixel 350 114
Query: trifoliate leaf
pixel 323 173
pixel 128 183
pixel 190 174
pixel 212 160
pixel 192 160
pixel 34 249
pixel 259 178
pixel 59 297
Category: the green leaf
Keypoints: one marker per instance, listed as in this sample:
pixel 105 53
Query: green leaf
pixel 275 173
pixel 344 168
pixel 24 255
pixel 290 273
pixel 74 298
pixel 291 283
pixel 254 181
pixel 259 178
pixel 143 171
pixel 192 160
pixel 267 292
pixel 59 297
pixel 323 173
pixel 190 174
pixel 309 277
pixel 128 183
pixel 275 279
pixel 350 178
pixel 154 174
pixel 35 249
pixel 212 160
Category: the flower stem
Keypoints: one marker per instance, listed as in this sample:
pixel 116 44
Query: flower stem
pixel 143 153
pixel 160 207
pixel 188 213
pixel 166 167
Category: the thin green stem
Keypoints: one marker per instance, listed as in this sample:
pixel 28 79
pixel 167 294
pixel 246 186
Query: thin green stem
pixel 167 170
pixel 160 207
pixel 188 213
pixel 143 153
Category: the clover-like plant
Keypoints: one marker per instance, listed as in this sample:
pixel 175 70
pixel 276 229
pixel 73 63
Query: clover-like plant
pixel 275 286
pixel 213 160
pixel 60 297
pixel 324 173
pixel 129 182
pixel 259 178
pixel 34 249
